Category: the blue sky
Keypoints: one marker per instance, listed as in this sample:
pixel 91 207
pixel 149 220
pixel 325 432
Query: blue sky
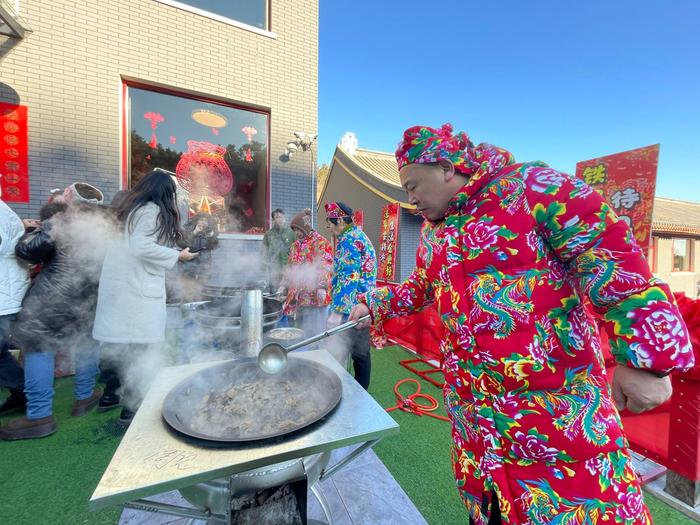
pixel 553 81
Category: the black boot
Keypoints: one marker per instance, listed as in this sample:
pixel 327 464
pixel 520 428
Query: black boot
pixel 109 399
pixel 125 417
pixel 17 402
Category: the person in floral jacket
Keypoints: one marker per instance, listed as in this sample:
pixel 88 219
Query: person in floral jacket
pixel 509 255
pixel 354 272
pixel 307 276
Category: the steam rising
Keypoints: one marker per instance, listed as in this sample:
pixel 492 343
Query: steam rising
pixel 86 233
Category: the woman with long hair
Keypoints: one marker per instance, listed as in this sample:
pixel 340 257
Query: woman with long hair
pixel 131 309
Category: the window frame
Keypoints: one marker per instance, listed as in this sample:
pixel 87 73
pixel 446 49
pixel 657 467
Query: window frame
pixel 224 19
pixel 690 254
pixel 654 254
pixel 125 180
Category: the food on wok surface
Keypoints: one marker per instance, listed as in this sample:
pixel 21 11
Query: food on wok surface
pixel 286 333
pixel 236 401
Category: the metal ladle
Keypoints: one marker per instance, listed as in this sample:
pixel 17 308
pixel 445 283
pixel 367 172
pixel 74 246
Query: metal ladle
pixel 273 357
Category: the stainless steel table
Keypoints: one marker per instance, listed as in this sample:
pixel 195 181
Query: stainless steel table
pixel 152 458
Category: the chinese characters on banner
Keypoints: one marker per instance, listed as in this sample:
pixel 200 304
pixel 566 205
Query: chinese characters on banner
pixel 627 181
pixel 14 166
pixel 388 242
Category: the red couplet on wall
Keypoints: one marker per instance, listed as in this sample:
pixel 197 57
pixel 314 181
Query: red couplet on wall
pixel 627 181
pixel 388 242
pixel 14 165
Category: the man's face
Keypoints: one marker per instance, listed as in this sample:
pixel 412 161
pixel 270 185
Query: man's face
pixel 279 220
pixel 430 187
pixel 336 229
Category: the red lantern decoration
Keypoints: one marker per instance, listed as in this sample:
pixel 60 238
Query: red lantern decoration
pixel 155 118
pixel 249 131
pixel 202 169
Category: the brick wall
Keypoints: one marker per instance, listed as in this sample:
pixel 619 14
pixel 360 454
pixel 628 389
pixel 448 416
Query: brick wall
pixel 69 73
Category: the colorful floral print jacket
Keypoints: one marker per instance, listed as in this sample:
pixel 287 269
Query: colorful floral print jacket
pixel 354 269
pixel 308 270
pixel 521 248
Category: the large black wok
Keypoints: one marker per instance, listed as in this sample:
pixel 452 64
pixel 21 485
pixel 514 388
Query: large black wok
pixel 235 401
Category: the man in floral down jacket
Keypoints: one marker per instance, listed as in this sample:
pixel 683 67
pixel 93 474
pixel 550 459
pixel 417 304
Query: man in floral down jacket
pixel 508 255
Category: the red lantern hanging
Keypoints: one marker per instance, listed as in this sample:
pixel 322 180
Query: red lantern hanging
pixel 248 155
pixel 155 119
pixel 249 131
pixel 202 169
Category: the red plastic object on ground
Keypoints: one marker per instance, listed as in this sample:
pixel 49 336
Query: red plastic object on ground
pixel 409 404
pixel 424 373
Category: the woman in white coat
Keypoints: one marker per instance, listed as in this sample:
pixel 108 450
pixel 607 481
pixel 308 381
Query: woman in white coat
pixel 14 281
pixel 131 308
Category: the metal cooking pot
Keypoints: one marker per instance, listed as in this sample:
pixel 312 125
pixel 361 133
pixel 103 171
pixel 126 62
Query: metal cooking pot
pixel 235 401
pixel 226 312
pixel 285 336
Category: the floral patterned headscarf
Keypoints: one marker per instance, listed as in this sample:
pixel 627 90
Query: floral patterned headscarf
pixel 424 145
pixel 334 211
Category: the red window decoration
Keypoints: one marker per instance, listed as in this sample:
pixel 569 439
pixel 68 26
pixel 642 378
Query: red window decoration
pixel 202 170
pixel 14 164
pixel 249 131
pixel 155 118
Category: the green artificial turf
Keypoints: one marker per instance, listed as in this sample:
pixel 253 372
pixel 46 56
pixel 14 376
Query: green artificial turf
pixel 50 480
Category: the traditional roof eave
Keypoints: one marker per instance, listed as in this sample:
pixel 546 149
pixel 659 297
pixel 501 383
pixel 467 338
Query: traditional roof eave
pixel 380 188
pixel 670 228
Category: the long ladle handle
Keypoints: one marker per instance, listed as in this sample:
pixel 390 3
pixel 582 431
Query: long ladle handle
pixel 332 331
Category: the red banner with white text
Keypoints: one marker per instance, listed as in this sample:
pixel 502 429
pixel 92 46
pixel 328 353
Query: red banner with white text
pixel 627 181
pixel 14 163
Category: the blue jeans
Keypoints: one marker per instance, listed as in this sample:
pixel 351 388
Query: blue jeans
pixel 38 378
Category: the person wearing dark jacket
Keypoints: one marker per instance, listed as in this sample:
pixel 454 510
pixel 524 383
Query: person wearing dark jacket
pixel 58 313
pixel 200 236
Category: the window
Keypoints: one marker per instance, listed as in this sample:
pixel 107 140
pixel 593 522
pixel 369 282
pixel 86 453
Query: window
pixel 682 252
pixel 218 151
pixel 249 12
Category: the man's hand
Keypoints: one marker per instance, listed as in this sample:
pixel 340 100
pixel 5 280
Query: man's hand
pixel 639 390
pixel 31 223
pixel 358 311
